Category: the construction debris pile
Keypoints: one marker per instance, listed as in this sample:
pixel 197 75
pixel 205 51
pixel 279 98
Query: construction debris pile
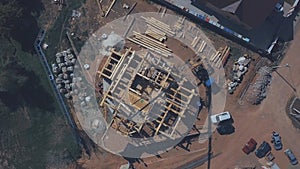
pixel 63 70
pixel 258 90
pixel 220 57
pixel 239 69
pixel 75 14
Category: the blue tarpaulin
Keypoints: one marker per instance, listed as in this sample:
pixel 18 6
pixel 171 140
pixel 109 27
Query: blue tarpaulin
pixel 209 82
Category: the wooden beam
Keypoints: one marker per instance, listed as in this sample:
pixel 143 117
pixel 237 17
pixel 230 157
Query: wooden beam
pixel 105 75
pixel 130 10
pixel 158 127
pixel 147 46
pixel 129 27
pixel 99 3
pixel 174 128
pixel 105 95
pixel 109 8
pixel 122 71
pixel 108 69
pixel 179 92
pixel 134 91
pixel 120 61
pixel 150 39
pixel 175 103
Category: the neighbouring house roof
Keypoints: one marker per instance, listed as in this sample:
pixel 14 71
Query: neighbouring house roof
pixel 232 7
pixel 255 12
pixel 220 3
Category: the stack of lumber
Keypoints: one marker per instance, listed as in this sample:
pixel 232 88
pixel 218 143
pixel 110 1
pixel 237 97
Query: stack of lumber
pixel 156 34
pixel 157 24
pixel 151 44
pixel 220 57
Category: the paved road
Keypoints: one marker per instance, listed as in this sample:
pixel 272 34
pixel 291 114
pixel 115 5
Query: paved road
pixel 40 53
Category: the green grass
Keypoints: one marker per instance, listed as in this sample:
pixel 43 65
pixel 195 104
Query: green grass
pixel 53 35
pixel 44 139
pixel 32 63
pixel 32 147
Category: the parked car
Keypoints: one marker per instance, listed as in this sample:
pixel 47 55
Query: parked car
pixel 216 118
pixel 225 129
pixel 263 149
pixel 250 146
pixel 276 140
pixel 291 156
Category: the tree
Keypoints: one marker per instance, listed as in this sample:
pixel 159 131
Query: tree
pixel 10 12
pixel 11 81
pixel 12 76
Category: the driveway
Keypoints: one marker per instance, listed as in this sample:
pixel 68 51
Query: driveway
pixel 259 121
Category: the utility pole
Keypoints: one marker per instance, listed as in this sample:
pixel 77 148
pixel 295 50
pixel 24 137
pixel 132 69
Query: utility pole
pixel 283 78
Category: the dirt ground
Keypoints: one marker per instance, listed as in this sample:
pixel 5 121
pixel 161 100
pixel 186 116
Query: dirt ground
pixel 104 159
pixel 259 121
pixel 175 157
pixel 250 121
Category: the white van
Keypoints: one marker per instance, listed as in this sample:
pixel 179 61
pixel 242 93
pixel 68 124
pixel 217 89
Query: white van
pixel 216 118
